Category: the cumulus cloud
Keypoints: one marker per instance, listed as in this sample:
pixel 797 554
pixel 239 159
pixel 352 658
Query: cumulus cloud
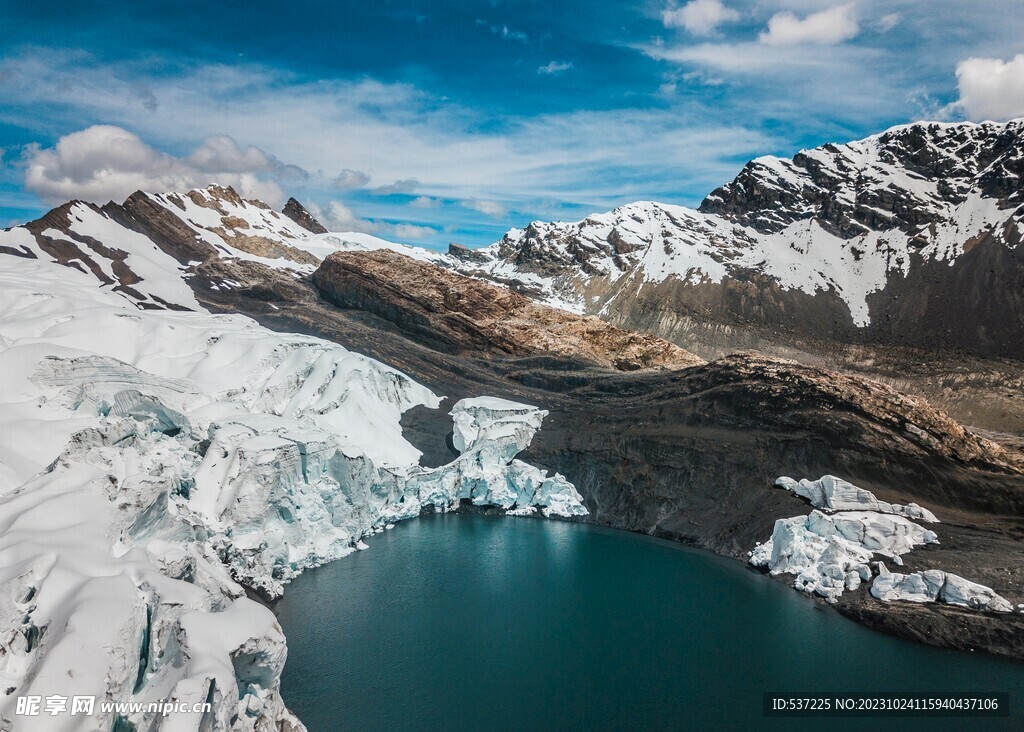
pixel 336 216
pixel 488 208
pixel 407 185
pixel 425 202
pixel 554 67
pixel 699 17
pixel 826 27
pixel 348 179
pixel 991 88
pixel 104 162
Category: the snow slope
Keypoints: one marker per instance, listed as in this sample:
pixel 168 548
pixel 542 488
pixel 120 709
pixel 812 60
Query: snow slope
pixel 153 460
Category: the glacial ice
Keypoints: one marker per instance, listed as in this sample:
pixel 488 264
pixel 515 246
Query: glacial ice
pixel 830 493
pixel 831 550
pixel 830 553
pixel 156 460
pixel 934 585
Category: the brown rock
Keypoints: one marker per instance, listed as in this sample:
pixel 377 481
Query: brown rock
pixel 460 314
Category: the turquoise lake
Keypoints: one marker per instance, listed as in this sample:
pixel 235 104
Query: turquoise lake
pixel 462 622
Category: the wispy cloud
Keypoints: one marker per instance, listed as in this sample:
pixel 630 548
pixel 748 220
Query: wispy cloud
pixel 489 208
pixel 406 185
pixel 389 132
pixel 503 30
pixel 337 216
pixel 425 202
pixel 887 22
pixel 554 67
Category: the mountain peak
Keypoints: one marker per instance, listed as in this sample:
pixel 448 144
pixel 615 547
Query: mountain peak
pixel 298 213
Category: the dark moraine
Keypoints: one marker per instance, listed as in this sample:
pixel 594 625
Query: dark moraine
pixel 464 622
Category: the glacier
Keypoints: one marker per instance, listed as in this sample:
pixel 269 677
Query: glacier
pixel 833 549
pixel 831 553
pixel 161 463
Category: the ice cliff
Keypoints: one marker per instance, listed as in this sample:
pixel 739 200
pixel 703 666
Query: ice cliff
pixel 156 462
pixel 934 585
pixel 832 549
pixel 835 494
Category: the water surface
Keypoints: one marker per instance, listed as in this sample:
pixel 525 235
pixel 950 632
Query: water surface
pixel 489 623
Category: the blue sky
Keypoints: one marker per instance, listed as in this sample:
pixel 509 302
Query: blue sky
pixel 430 122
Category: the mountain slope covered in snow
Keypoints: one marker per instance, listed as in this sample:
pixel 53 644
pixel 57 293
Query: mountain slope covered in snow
pixel 158 459
pixel 909 237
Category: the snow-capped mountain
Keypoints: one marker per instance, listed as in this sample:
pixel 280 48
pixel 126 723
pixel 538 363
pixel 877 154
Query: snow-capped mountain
pixel 907 237
pixel 142 248
pixel 157 457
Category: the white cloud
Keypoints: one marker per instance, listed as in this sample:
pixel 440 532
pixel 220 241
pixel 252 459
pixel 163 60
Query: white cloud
pixel 425 202
pixel 406 185
pixel 991 88
pixel 699 17
pixel 826 27
pixel 554 67
pixel 408 231
pixel 393 132
pixel 488 208
pixel 887 22
pixel 336 216
pixel 104 162
pixel 504 31
pixel 348 179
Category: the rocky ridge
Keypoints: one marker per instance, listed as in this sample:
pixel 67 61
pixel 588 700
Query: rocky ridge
pixel 907 238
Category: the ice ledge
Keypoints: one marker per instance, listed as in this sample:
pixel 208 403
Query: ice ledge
pixel 835 494
pixel 934 585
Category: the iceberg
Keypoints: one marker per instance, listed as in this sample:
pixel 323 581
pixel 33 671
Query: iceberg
pixel 829 553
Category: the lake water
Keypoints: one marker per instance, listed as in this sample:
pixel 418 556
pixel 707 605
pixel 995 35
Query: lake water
pixel 490 623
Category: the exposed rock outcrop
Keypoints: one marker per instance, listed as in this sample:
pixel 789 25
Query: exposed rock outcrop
pixel 298 213
pixel 460 314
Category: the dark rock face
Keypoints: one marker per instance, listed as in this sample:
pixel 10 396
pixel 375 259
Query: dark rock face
pixel 465 254
pixel 85 253
pixel 298 213
pixel 143 215
pixel 976 305
pixel 848 195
